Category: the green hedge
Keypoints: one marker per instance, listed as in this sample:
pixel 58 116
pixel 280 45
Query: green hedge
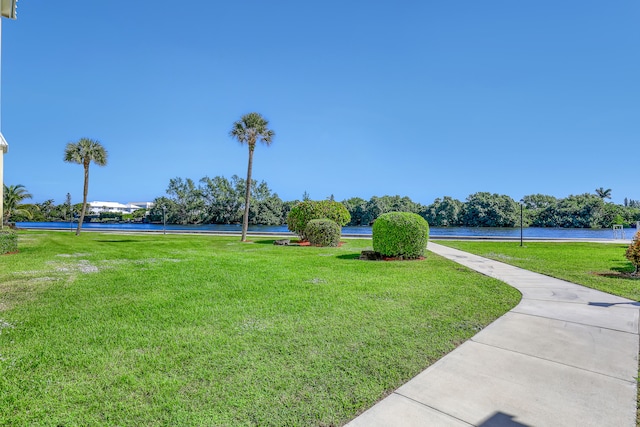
pixel 323 232
pixel 303 212
pixel 400 234
pixel 8 241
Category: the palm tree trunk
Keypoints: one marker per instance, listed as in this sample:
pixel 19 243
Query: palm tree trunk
pixel 247 196
pixel 84 198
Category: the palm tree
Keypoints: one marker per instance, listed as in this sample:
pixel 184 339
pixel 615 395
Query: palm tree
pixel 13 196
pixel 602 193
pixel 249 129
pixel 84 152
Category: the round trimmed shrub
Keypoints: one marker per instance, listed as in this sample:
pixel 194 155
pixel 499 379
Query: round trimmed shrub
pixel 303 212
pixel 400 234
pixel 323 232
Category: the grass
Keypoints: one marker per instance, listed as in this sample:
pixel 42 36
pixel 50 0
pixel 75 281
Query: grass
pixel 106 329
pixel 595 265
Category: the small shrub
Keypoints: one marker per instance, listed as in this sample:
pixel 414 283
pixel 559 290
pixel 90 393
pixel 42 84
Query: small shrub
pixel 633 252
pixel 323 232
pixel 303 212
pixel 8 241
pixel 400 234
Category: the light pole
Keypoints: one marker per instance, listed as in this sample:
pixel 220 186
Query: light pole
pixel 164 220
pixel 521 206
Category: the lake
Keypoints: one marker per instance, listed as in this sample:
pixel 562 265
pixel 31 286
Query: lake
pixel 435 232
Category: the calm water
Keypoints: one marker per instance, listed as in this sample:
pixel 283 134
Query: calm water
pixel 531 232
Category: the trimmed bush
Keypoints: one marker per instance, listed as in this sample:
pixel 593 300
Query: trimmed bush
pixel 400 234
pixel 8 241
pixel 323 232
pixel 303 212
pixel 633 252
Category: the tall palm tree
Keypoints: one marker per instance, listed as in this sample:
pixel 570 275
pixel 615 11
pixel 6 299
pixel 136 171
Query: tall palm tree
pixel 84 152
pixel 602 193
pixel 250 129
pixel 13 196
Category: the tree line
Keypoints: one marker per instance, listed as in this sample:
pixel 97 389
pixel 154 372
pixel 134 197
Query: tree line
pixel 220 200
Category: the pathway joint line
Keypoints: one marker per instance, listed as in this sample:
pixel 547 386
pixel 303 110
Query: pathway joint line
pixel 432 408
pixel 513 310
pixel 551 361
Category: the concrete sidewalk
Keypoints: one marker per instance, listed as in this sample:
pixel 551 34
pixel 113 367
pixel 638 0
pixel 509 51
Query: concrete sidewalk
pixel 565 356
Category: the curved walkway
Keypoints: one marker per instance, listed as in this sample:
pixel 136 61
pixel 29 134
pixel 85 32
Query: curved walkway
pixel 566 355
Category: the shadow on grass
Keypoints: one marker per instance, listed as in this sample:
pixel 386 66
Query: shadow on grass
pixel 349 256
pixel 119 241
pixel 623 272
pixel 265 241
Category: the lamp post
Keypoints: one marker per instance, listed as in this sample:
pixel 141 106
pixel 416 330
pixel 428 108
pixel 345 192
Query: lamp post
pixel 521 206
pixel 164 220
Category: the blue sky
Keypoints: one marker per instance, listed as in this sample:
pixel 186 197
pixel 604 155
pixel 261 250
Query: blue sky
pixel 417 98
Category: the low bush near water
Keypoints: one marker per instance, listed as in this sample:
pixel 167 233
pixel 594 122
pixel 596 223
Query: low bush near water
pixel 323 232
pixel 400 234
pixel 8 242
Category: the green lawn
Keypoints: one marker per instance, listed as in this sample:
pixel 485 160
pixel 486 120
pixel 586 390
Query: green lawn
pixel 601 266
pixel 106 329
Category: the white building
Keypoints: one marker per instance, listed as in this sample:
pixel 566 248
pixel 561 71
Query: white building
pixel 143 205
pixel 99 206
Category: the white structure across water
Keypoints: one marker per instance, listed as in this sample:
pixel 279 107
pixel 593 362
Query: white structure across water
pixel 99 206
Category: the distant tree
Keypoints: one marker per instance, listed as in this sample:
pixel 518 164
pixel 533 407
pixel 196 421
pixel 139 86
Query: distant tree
pixel 250 129
pixel 535 206
pixel 13 196
pixel 575 211
pixel 223 199
pixel 187 198
pixel 48 210
pixel 633 252
pixel 377 206
pixel 444 213
pixel 538 201
pixel 27 212
pixel 286 208
pixel 164 209
pixel 267 211
pixel 266 207
pixel 67 209
pixel 614 214
pixel 84 152
pixel 139 213
pixel 490 210
pixel 357 208
pixel 602 193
